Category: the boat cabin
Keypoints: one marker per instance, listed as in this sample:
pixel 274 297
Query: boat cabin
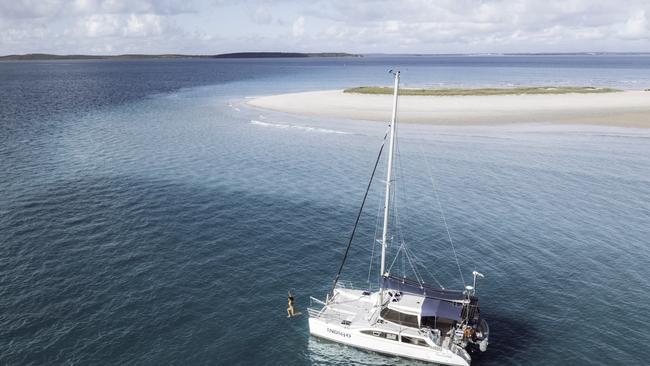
pixel 418 311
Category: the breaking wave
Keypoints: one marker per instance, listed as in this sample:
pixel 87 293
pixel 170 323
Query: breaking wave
pixel 297 127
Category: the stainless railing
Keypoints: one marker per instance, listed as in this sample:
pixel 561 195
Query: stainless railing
pixel 321 313
pixel 345 284
pixel 329 316
pixel 461 352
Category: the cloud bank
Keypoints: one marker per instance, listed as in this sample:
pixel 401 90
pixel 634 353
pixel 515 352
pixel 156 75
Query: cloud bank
pixel 362 26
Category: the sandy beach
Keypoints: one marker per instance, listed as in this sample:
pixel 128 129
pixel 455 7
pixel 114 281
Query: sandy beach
pixel 623 109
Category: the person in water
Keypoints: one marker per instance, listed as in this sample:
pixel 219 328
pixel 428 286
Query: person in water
pixel 290 309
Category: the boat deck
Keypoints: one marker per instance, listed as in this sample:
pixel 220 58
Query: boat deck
pixel 359 311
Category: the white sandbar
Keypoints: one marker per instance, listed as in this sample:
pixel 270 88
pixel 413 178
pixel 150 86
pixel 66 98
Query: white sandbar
pixel 625 109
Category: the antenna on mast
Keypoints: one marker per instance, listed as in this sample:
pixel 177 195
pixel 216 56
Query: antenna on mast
pixel 472 289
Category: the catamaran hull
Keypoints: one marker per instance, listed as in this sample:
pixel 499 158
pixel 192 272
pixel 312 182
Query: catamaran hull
pixel 353 337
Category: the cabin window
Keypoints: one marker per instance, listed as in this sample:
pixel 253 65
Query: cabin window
pixel 444 325
pixel 400 318
pixel 415 341
pixel 391 336
pixel 371 332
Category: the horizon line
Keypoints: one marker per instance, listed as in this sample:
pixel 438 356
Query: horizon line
pixel 172 54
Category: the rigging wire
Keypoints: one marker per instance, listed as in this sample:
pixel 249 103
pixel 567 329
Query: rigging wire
pixel 442 213
pixel 395 213
pixel 421 264
pixel 356 223
pixel 411 260
pixel 395 208
pixel 374 238
pixel 402 187
pixel 404 249
pixel 407 216
pixel 401 237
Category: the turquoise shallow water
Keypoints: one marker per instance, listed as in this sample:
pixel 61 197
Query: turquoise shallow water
pixel 149 217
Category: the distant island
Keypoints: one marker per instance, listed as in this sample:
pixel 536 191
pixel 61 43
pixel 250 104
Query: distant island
pixel 47 56
pixel 282 54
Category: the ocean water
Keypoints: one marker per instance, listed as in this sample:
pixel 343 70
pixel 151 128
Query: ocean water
pixel 148 216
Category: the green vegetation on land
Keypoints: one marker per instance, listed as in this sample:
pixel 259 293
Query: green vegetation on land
pixel 481 91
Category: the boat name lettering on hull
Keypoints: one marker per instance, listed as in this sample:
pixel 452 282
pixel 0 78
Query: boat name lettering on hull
pixel 338 332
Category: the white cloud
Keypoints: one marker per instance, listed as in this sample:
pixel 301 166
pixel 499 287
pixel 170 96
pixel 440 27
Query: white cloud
pixel 636 27
pixel 298 27
pixel 84 6
pixel 419 26
pixel 99 25
pixel 143 25
pixel 22 9
pixel 114 25
pixel 51 8
pixel 486 26
pixel 105 48
pixel 391 26
pixel 262 15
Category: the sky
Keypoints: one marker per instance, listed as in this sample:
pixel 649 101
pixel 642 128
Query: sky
pixel 107 27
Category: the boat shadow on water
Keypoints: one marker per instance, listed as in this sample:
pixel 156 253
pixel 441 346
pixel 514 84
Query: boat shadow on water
pixel 509 339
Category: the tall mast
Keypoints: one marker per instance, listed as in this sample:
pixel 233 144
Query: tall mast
pixel 389 171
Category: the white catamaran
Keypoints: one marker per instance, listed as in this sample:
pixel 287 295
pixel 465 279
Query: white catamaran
pixel 404 317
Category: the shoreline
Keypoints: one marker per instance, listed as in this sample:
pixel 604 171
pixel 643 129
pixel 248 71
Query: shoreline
pixel 620 109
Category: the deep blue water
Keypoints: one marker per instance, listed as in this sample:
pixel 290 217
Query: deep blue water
pixel 148 216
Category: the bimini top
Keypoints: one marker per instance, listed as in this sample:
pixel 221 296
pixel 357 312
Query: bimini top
pixel 422 306
pixel 441 309
pixel 414 287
